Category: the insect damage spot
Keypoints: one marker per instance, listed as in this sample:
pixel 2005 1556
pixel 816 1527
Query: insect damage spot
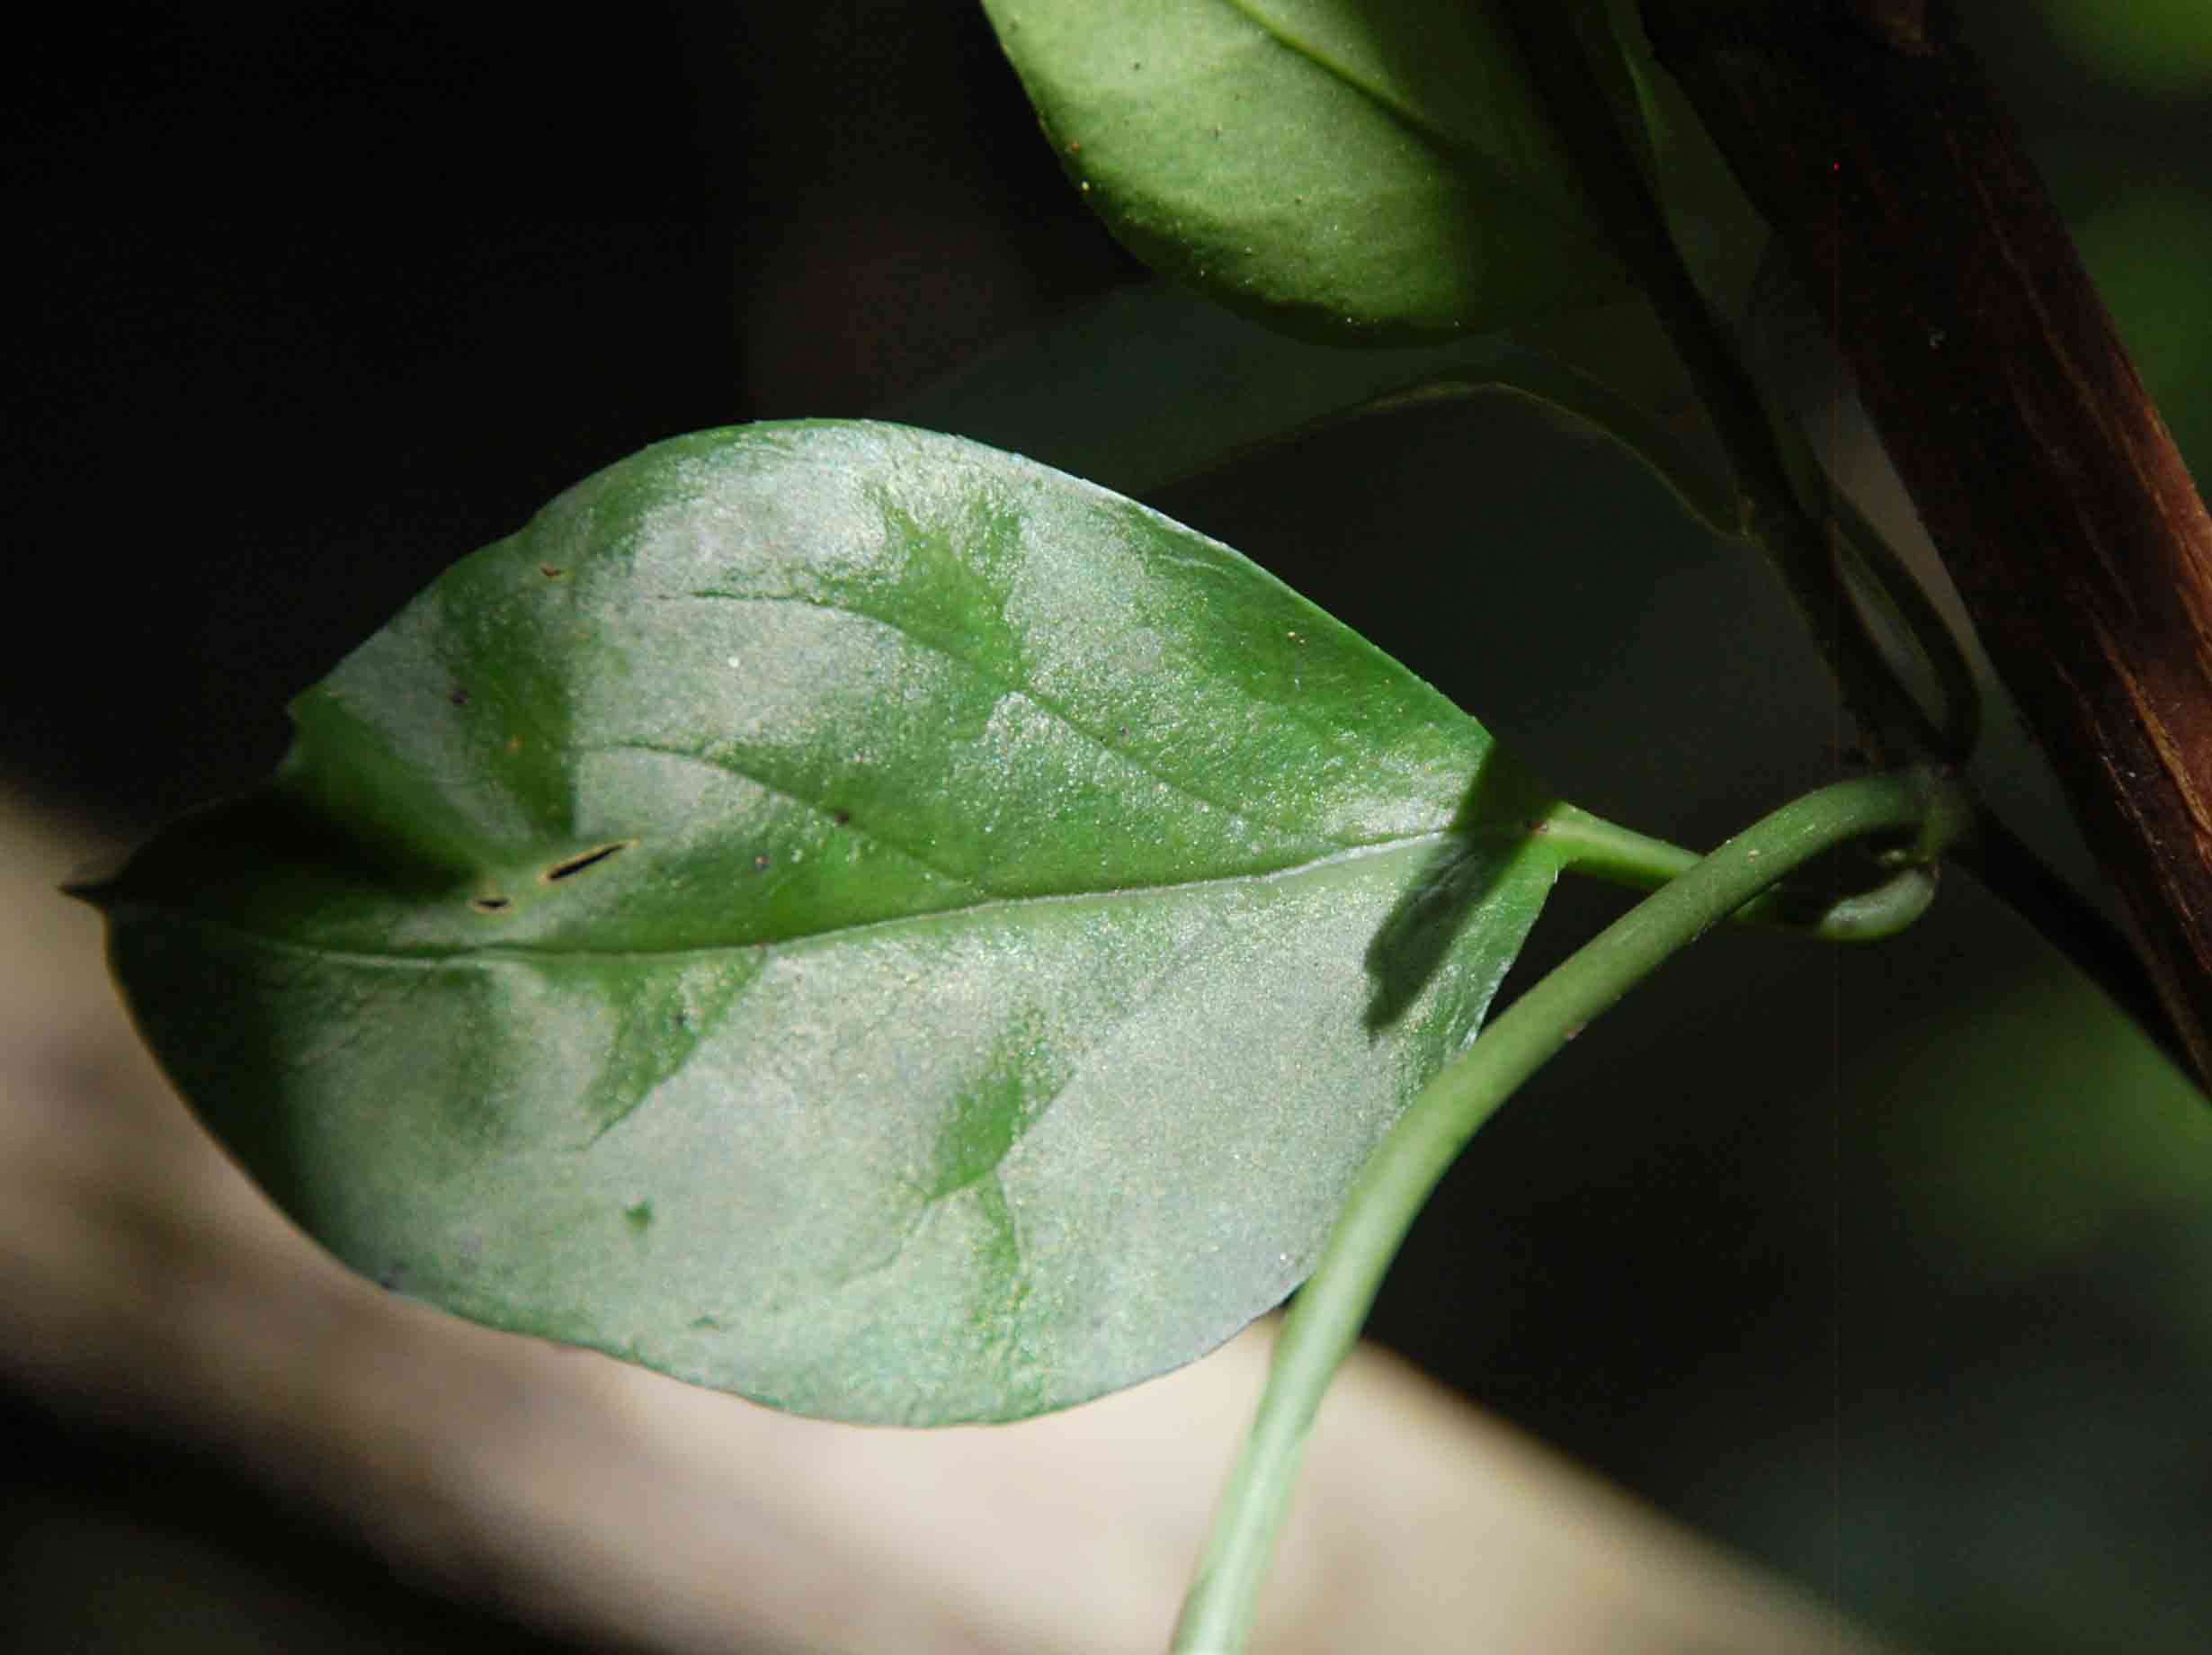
pixel 583 859
pixel 551 571
pixel 491 905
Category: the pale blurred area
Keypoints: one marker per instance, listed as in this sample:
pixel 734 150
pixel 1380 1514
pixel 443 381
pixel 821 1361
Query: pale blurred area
pixel 149 1297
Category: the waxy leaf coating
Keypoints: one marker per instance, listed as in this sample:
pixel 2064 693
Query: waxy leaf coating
pixel 842 915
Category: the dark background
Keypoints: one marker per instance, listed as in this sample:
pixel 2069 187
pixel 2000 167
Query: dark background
pixel 1885 1266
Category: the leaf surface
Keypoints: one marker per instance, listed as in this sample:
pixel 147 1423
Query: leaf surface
pixel 842 915
pixel 1082 391
pixel 1369 168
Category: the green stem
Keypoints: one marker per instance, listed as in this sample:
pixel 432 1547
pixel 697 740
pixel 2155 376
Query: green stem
pixel 1894 587
pixel 1887 581
pixel 1325 1320
pixel 1590 844
pixel 1556 40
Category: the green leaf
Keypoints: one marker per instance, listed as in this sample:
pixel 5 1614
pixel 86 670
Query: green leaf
pixel 1371 168
pixel 1082 391
pixel 842 915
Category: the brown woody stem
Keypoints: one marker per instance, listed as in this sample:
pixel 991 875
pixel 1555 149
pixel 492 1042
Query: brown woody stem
pixel 1870 140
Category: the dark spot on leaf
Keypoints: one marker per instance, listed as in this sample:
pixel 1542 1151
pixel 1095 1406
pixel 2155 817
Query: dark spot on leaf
pixel 491 905
pixel 705 1324
pixel 458 696
pixel 639 1217
pixel 843 819
pixel 577 864
pixel 551 572
pixel 759 863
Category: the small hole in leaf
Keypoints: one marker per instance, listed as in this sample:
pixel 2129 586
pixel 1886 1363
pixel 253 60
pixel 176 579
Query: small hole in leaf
pixel 458 696
pixel 490 905
pixel 759 863
pixel 577 864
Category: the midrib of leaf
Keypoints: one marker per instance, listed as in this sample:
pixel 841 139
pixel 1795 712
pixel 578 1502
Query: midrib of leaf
pixel 493 952
pixel 1405 113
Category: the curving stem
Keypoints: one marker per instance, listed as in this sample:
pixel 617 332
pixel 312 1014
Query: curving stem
pixel 1391 1188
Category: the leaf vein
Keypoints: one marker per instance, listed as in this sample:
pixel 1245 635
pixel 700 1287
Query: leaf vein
pixel 526 953
pixel 1496 179
pixel 1028 692
pixel 724 766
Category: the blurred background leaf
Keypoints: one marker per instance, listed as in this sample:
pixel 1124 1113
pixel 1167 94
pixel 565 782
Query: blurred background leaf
pixel 2160 48
pixel 2150 249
